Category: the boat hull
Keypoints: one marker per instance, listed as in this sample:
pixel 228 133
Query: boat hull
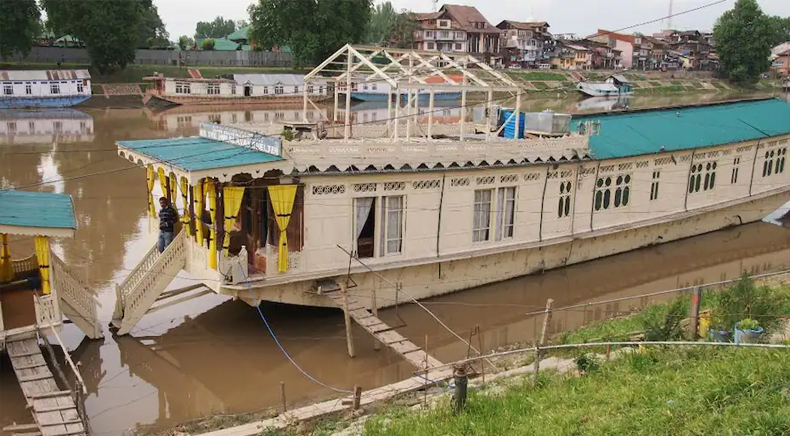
pixel 438 277
pixel 41 102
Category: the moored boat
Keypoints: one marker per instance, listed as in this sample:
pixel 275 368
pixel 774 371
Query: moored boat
pixel 614 86
pixel 44 88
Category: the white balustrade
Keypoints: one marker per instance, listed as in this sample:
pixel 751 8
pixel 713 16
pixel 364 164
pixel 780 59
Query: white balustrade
pixel 73 290
pixel 139 271
pixel 47 311
pixel 164 268
pixel 24 265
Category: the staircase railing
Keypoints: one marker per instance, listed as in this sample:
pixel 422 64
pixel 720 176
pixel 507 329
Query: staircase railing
pixel 47 311
pixel 76 293
pixel 139 271
pixel 27 264
pixel 165 266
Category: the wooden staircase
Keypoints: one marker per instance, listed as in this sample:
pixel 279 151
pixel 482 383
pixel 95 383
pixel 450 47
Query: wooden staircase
pixel 146 284
pixel 380 330
pixel 76 300
pixel 54 411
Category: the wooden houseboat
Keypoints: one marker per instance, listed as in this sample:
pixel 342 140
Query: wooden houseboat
pixel 614 86
pixel 44 88
pixel 240 89
pixel 413 216
pixel 179 118
pixel 378 91
pixel 45 126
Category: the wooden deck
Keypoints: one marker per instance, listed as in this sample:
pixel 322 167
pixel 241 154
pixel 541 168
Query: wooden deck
pixel 383 332
pixel 53 410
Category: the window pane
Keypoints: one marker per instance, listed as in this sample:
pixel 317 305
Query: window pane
pixel 482 215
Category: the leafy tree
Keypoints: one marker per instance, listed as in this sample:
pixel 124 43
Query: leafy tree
pixel 743 41
pixel 381 22
pixel 314 29
pixel 240 24
pixel 402 32
pixel 19 26
pixel 207 44
pixel 780 30
pixel 185 42
pixel 152 32
pixel 110 29
pixel 218 28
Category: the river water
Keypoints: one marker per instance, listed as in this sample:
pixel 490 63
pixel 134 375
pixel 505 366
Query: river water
pixel 213 355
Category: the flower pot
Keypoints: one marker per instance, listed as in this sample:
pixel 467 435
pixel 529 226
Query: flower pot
pixel 720 335
pixel 747 336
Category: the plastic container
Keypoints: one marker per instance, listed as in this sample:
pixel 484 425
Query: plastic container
pixel 510 125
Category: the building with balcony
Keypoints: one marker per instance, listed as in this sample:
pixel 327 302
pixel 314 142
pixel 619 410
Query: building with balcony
pixel 526 44
pixel 572 56
pixel 619 41
pixel 455 28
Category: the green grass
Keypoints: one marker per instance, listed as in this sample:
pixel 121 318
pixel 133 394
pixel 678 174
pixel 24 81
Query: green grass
pixel 655 84
pixel 96 90
pixel 669 392
pixel 538 75
pixel 540 85
pixel 135 73
pixel 719 85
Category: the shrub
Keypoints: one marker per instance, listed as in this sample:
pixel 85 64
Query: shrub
pixel 663 323
pixel 207 44
pixel 749 324
pixel 747 300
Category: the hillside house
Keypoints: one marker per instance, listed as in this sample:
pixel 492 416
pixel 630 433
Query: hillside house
pixel 456 28
pixel 526 44
pixel 619 41
pixel 572 56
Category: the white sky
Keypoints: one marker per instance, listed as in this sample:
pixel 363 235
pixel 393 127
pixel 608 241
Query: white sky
pixel 582 17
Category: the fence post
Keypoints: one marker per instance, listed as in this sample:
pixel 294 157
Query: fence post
pixel 347 316
pixel 459 395
pixel 282 397
pixel 541 341
pixel 357 397
pixel 694 313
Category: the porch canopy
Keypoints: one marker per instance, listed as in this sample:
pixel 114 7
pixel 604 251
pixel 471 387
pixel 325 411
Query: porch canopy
pixel 36 214
pixel 219 152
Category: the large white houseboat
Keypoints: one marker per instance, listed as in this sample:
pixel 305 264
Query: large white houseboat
pixel 614 86
pixel 44 88
pixel 415 215
pixel 240 89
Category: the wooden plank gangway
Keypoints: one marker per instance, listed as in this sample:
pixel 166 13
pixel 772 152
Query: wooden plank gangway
pixel 381 332
pixel 54 410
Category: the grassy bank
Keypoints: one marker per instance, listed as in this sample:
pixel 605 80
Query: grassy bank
pixel 135 73
pixel 672 392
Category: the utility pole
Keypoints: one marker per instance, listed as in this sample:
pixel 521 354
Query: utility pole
pixel 669 16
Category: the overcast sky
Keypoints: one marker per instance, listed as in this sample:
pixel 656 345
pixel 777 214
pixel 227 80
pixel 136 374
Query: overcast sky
pixel 582 17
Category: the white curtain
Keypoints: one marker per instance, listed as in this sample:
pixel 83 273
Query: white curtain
pixel 500 206
pixel 510 204
pixel 482 215
pixel 394 225
pixel 362 209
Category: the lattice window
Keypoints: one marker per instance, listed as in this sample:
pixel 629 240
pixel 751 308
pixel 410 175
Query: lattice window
pixel 564 204
pixel 606 169
pixel 642 164
pixel 531 177
pixel 654 185
pixel 364 187
pixel 328 189
pixel 487 180
pixel 461 181
pixel 625 166
pixel 662 161
pixel 510 178
pixel 394 186
pixel 685 158
pixel 426 184
pixel 736 163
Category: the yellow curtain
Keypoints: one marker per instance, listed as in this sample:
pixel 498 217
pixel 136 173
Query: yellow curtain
pixel 282 197
pixel 163 181
pixel 42 254
pixel 151 178
pixel 211 191
pixel 185 200
pixel 232 196
pixel 197 192
pixel 173 189
pixel 6 269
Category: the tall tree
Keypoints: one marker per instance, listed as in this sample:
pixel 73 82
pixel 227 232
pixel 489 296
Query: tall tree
pixel 219 28
pixel 382 19
pixel 110 29
pixel 152 32
pixel 19 26
pixel 780 30
pixel 743 41
pixel 313 29
pixel 185 42
pixel 402 32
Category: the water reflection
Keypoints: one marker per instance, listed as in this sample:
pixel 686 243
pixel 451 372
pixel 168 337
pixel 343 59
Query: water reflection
pixel 45 126
pixel 214 355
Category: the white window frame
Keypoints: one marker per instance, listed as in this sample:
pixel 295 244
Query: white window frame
pixel 430 46
pixel 28 89
pixel 399 211
pixel 8 89
pixel 481 215
pixel 54 88
pixel 278 89
pixel 505 226
pixel 80 88
pixel 213 89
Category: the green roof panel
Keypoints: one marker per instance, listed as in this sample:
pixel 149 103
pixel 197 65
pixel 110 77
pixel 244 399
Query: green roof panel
pixel 646 132
pixel 36 209
pixel 239 35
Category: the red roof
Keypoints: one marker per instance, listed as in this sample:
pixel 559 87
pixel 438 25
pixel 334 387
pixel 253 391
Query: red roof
pixel 617 36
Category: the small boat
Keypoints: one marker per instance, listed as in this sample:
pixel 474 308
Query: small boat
pixel 44 88
pixel 614 85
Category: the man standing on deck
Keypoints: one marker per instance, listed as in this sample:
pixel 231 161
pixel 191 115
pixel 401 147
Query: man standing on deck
pixel 167 222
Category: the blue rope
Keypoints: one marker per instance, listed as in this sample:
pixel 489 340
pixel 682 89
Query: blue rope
pixel 279 345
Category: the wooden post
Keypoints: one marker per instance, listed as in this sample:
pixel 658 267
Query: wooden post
pixel 389 111
pixel 349 62
pixel 482 352
pixel 489 111
pixel 396 118
pixel 542 340
pixel 357 397
pixel 459 396
pixel 694 313
pixel 304 102
pixel 337 104
pixel 282 397
pixel 425 379
pixel 376 343
pixel 518 113
pixel 409 96
pixel 463 110
pixel 430 114
pixel 349 336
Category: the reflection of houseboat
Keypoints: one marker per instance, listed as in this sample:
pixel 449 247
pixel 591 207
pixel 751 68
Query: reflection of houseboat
pixel 379 91
pixel 44 88
pixel 615 85
pixel 181 117
pixel 376 111
pixel 45 127
pixel 240 89
pixel 604 104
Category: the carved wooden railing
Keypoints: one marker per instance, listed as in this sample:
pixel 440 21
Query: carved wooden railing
pixel 136 300
pixel 139 271
pixel 27 264
pixel 76 293
pixel 47 311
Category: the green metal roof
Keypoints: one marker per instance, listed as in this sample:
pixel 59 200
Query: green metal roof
pixel 197 153
pixel 645 132
pixel 36 209
pixel 239 35
pixel 220 44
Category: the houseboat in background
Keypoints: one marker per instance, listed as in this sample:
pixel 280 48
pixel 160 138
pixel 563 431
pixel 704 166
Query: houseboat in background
pixel 614 86
pixel 44 88
pixel 181 118
pixel 45 126
pixel 377 90
pixel 370 112
pixel 236 89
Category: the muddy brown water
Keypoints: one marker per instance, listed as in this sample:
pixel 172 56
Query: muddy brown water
pixel 213 355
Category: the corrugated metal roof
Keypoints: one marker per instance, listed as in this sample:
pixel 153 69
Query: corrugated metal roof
pixel 36 209
pixel 196 153
pixel 239 35
pixel 629 134
pixel 44 75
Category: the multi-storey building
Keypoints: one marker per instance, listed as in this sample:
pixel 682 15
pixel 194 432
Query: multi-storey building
pixel 526 44
pixel 455 28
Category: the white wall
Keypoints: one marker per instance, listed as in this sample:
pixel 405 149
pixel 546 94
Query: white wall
pixel 43 88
